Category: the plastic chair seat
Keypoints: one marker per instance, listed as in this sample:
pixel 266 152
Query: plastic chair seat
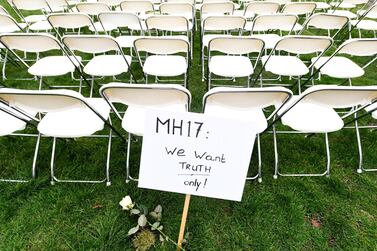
pixel 135 116
pixel 311 118
pixel 10 124
pixel 231 66
pixel 35 18
pixel 75 122
pixel 339 67
pixel 285 65
pixel 322 5
pixel 40 26
pixel 54 66
pixel 166 66
pixel 107 65
pixel 365 24
pixel 270 40
pixel 255 115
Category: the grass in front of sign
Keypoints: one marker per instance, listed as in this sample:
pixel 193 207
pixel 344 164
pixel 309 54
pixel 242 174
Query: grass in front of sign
pixel 285 214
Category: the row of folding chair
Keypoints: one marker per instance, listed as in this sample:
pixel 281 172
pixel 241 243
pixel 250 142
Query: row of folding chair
pixel 67 114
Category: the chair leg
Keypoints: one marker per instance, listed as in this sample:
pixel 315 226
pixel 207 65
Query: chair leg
pixel 202 61
pixel 40 82
pixel 209 80
pixel 129 177
pixel 108 182
pixel 36 151
pixel 91 86
pixel 4 64
pixel 359 147
pixel 276 153
pixel 259 160
pixel 52 161
pixel 328 157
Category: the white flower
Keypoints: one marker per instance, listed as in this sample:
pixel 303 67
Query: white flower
pixel 126 203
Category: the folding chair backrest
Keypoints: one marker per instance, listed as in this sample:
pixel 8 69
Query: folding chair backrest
pixel 359 47
pixel 304 44
pixel 91 43
pixel 372 12
pixel 246 98
pixel 327 21
pixel 42 101
pixel 30 42
pixel 355 2
pixel 223 23
pixel 70 20
pixel 281 2
pixel 338 97
pixel 148 96
pixel 30 4
pixel 283 22
pixel 119 19
pixel 92 9
pixel 217 8
pixel 261 8
pixel 163 46
pixel 137 7
pixel 236 45
pixel 299 8
pixel 57 3
pixel 8 24
pixel 167 23
pixel 184 9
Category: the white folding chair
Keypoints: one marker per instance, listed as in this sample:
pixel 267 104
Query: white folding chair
pixel 142 8
pixel 13 123
pixel 325 21
pixel 344 68
pixel 112 64
pixel 58 5
pixel 234 61
pixel 186 10
pixel 38 43
pixel 139 98
pixel 316 111
pixel 164 61
pixel 66 114
pixel 170 26
pixel 347 4
pixel 8 24
pixel 253 9
pixel 36 22
pixel 291 65
pixel 270 28
pixel 216 9
pixel 111 3
pixel 219 26
pixel 246 104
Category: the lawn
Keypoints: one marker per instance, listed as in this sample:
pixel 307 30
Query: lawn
pixel 290 213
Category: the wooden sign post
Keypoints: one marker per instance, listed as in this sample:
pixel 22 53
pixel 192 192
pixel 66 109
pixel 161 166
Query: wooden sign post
pixel 195 154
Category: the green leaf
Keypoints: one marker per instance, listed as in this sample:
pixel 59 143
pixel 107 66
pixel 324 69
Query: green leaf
pixel 135 211
pixel 158 209
pixel 144 209
pixel 133 230
pixel 155 225
pixel 142 221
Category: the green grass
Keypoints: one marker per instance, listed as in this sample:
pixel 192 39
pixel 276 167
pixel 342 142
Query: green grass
pixel 273 215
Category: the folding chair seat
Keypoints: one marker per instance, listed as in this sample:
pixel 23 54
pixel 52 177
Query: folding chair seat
pixel 93 10
pixel 253 9
pixel 324 21
pixel 315 111
pixel 300 9
pixel 290 65
pixel 139 98
pixel 46 66
pixel 246 104
pixel 275 22
pixel 219 26
pixel 36 22
pixel 74 21
pixel 164 61
pixel 101 65
pixel 342 67
pixel 67 115
pixel 234 62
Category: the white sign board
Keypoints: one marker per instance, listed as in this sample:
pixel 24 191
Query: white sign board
pixel 196 154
